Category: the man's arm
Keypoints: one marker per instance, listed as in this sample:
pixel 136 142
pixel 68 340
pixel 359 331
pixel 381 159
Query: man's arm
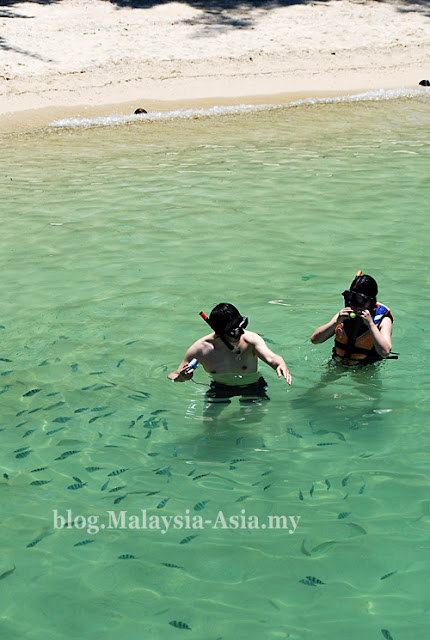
pixel 272 359
pixel 181 374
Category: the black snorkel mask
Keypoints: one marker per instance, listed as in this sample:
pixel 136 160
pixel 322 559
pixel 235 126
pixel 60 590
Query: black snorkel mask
pixel 358 300
pixel 235 330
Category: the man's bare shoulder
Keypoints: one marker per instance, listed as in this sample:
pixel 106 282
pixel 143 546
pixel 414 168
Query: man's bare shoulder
pixel 252 338
pixel 203 346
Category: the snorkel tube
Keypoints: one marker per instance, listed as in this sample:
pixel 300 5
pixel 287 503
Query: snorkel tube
pixel 226 342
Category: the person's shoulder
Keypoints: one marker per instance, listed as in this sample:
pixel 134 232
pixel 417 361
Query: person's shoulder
pixel 252 337
pixel 204 344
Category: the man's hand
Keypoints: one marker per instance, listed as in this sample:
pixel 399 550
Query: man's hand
pixel 182 375
pixel 283 372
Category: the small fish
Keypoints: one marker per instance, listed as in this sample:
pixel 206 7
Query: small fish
pixel 30 393
pixel 311 491
pixel 267 487
pixel 119 363
pixel 6 373
pixel 175 451
pixel 171 566
pixel 201 505
pixel 345 480
pixel 343 515
pixel 151 493
pixel 105 486
pixel 21 412
pixel 44 363
pixel 39 483
pixel 76 479
pixel 115 489
pixel 37 470
pixel 325 444
pixel 135 397
pixel 92 469
pixel 203 475
pixel 5 476
pixel 81 410
pixel 49 433
pixel 86 388
pixel 91 420
pixel 140 417
pixel 179 625
pixel 153 454
pixel 82 543
pixel 165 472
pixel 24 454
pixel 34 542
pixel 236 460
pixel 361 490
pixel 157 411
pixel 99 408
pixel 5 359
pixel 96 373
pixel 66 454
pixel 28 433
pixel 163 503
pixel 131 342
pixel 21 424
pixel 148 435
pixel 74 367
pixel 328 484
pixel 35 410
pixel 120 498
pixel 117 472
pixel 78 485
pixel 191 472
pixel 7 573
pixel 103 386
pixel 188 539
pixel 62 419
pixel 388 575
pixel 310 581
pixel 300 495
pixel 21 449
pixel 127 556
pixel 293 433
pixel 57 404
pixel 267 473
pixel 387 635
pixel 242 498
pixel 127 435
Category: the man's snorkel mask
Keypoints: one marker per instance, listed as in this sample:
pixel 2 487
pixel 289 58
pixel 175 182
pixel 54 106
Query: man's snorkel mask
pixel 362 293
pixel 226 326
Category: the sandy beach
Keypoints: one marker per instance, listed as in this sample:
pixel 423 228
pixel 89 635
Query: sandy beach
pixel 93 57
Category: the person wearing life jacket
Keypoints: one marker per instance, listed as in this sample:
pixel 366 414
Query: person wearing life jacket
pixel 362 329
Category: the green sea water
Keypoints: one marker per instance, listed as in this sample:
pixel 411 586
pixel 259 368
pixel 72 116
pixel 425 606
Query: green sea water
pixel 113 239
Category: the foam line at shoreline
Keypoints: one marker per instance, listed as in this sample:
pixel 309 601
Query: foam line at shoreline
pixel 157 116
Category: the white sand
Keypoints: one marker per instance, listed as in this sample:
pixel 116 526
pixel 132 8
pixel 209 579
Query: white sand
pixel 75 57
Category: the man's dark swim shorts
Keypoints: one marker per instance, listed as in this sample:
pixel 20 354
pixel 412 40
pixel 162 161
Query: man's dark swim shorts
pixel 222 392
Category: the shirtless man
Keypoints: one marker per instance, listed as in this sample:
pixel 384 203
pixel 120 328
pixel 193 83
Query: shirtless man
pixel 230 355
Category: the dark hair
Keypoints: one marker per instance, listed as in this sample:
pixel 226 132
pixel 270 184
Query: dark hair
pixel 365 284
pixel 223 316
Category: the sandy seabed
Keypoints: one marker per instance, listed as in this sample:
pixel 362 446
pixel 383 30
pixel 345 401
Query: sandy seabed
pixel 86 58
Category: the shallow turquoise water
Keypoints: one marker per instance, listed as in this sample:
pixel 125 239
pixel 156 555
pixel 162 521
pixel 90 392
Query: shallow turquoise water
pixel 113 239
